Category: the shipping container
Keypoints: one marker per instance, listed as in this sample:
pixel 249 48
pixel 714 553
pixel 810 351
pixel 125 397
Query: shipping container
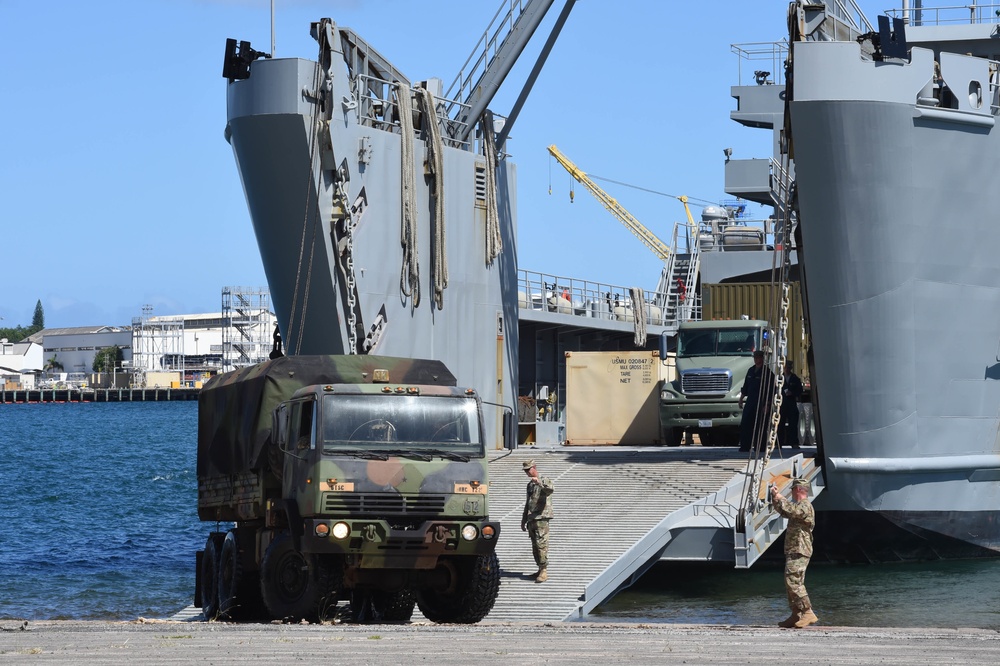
pixel 759 300
pixel 614 398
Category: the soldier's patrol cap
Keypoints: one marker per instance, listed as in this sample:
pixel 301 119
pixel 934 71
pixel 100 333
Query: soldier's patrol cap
pixel 800 483
pixel 527 464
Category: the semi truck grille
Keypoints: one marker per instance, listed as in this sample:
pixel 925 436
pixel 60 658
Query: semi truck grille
pixel 706 382
pixel 358 504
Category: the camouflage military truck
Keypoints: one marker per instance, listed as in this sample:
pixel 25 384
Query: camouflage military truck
pixel 712 360
pixel 359 480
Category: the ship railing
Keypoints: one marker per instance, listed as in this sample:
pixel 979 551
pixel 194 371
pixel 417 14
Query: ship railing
pixel 753 57
pixel 848 11
pixel 597 300
pixel 376 107
pixel 950 14
pixel 482 55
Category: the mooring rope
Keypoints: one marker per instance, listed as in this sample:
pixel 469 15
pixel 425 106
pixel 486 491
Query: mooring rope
pixel 494 241
pixel 435 164
pixel 639 313
pixel 409 278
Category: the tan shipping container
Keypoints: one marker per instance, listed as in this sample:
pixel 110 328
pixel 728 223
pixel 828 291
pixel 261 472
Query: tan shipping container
pixel 614 398
pixel 759 300
pixel 162 379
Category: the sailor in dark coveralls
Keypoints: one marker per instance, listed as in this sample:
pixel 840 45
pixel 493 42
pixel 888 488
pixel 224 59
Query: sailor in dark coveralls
pixel 755 401
pixel 798 550
pixel 536 517
pixel 791 390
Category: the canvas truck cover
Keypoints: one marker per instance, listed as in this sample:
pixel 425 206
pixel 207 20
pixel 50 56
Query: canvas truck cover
pixel 235 408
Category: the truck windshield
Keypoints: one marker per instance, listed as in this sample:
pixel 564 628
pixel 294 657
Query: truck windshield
pixel 397 424
pixel 718 342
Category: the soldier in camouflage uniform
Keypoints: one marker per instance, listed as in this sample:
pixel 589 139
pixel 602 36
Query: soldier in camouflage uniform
pixel 798 550
pixel 536 517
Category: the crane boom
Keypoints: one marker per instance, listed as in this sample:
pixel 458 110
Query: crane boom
pixel 649 239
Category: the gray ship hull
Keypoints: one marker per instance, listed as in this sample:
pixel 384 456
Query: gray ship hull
pixel 898 217
pixel 291 179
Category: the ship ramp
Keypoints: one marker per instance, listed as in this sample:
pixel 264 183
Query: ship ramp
pixel 618 512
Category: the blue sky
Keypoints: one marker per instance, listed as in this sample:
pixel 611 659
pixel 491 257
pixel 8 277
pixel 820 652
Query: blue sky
pixel 118 190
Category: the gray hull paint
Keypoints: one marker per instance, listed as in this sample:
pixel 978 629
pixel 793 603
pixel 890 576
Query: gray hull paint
pixel 269 127
pixel 900 238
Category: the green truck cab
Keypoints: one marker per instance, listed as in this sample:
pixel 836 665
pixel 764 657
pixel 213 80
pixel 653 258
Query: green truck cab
pixel 712 359
pixel 353 480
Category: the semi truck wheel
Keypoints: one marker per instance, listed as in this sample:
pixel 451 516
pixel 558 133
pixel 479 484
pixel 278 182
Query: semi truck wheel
pixel 297 586
pixel 670 437
pixel 470 598
pixel 209 575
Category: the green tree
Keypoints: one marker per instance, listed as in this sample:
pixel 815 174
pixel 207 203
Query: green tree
pixel 53 364
pixel 38 321
pixel 108 358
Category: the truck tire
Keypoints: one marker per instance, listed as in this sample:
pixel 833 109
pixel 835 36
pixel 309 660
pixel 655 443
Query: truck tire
pixel 239 590
pixel 299 586
pixel 470 597
pixel 670 437
pixel 209 576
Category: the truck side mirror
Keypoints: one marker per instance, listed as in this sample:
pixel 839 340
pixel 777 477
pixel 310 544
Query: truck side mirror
pixel 663 347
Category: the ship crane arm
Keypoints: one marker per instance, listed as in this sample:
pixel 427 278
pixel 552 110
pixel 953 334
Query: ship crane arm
pixel 648 238
pixel 492 59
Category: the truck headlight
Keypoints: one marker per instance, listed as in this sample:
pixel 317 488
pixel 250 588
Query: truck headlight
pixel 341 530
pixel 469 532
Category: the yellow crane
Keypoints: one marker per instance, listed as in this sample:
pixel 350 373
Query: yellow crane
pixel 649 239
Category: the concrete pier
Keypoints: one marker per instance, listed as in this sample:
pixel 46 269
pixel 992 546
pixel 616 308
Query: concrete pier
pixel 154 394
pixel 177 642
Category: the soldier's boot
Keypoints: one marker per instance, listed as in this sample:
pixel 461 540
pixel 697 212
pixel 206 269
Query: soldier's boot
pixel 790 622
pixel 543 575
pixel 806 615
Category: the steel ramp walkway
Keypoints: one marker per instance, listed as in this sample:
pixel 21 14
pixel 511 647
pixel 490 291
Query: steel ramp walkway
pixel 617 512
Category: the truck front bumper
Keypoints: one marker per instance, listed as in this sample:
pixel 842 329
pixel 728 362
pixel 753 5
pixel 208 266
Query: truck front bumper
pixel 379 545
pixel 700 414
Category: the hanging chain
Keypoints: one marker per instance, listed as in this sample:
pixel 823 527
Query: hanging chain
pixel 756 487
pixel 340 198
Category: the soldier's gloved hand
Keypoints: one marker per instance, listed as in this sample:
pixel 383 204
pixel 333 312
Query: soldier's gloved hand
pixel 524 527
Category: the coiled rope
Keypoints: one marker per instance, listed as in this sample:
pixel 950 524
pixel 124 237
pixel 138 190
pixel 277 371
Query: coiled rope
pixel 639 314
pixel 409 278
pixel 435 164
pixel 494 241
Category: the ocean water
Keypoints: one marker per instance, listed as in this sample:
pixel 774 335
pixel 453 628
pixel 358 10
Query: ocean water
pixel 99 516
pixel 99 509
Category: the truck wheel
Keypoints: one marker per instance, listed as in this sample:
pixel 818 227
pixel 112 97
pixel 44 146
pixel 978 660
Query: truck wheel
pixel 670 436
pixel 297 586
pixel 209 574
pixel 470 597
pixel 239 590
